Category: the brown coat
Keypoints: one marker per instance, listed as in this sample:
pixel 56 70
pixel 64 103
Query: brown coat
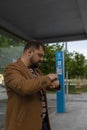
pixel 24 105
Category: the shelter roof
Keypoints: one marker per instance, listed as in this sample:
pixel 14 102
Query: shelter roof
pixel 47 20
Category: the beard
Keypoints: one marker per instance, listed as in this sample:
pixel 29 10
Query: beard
pixel 34 64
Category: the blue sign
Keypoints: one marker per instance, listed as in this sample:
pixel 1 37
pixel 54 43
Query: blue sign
pixel 60 72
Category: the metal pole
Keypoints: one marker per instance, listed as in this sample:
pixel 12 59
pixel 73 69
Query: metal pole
pixel 67 87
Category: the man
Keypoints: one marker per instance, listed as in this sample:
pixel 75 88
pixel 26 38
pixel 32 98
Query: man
pixel 26 89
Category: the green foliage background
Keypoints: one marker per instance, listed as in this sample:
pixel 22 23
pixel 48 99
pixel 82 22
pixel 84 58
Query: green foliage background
pixel 75 63
pixel 49 63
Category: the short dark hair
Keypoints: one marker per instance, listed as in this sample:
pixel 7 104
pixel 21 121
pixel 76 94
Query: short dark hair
pixel 34 44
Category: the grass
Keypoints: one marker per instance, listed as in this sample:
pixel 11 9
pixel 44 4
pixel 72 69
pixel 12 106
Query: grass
pixel 72 90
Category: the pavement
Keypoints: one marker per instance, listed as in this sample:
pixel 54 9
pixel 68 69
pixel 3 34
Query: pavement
pixel 74 117
pixel 3 98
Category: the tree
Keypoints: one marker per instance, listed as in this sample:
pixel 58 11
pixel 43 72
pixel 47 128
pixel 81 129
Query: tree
pixel 6 42
pixel 79 65
pixel 68 63
pixel 6 46
pixel 75 65
pixel 49 63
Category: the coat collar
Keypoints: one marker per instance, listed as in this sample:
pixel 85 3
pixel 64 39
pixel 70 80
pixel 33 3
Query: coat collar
pixel 26 69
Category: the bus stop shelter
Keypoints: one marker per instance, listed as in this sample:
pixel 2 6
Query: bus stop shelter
pixel 50 21
pixel 47 20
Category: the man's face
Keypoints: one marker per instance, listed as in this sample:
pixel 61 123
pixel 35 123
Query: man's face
pixel 37 57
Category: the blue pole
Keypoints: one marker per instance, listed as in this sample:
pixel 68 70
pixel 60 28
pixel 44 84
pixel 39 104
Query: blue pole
pixel 60 71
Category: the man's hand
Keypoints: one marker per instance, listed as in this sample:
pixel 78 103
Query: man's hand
pixel 55 84
pixel 54 81
pixel 52 77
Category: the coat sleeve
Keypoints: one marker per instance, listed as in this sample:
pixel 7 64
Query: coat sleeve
pixel 48 88
pixel 17 82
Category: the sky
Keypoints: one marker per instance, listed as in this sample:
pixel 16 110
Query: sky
pixel 78 46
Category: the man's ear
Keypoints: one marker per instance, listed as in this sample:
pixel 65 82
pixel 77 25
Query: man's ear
pixel 29 52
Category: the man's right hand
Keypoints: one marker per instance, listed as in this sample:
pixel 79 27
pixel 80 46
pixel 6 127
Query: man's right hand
pixel 54 81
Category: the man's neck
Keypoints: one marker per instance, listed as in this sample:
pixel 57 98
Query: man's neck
pixel 24 61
